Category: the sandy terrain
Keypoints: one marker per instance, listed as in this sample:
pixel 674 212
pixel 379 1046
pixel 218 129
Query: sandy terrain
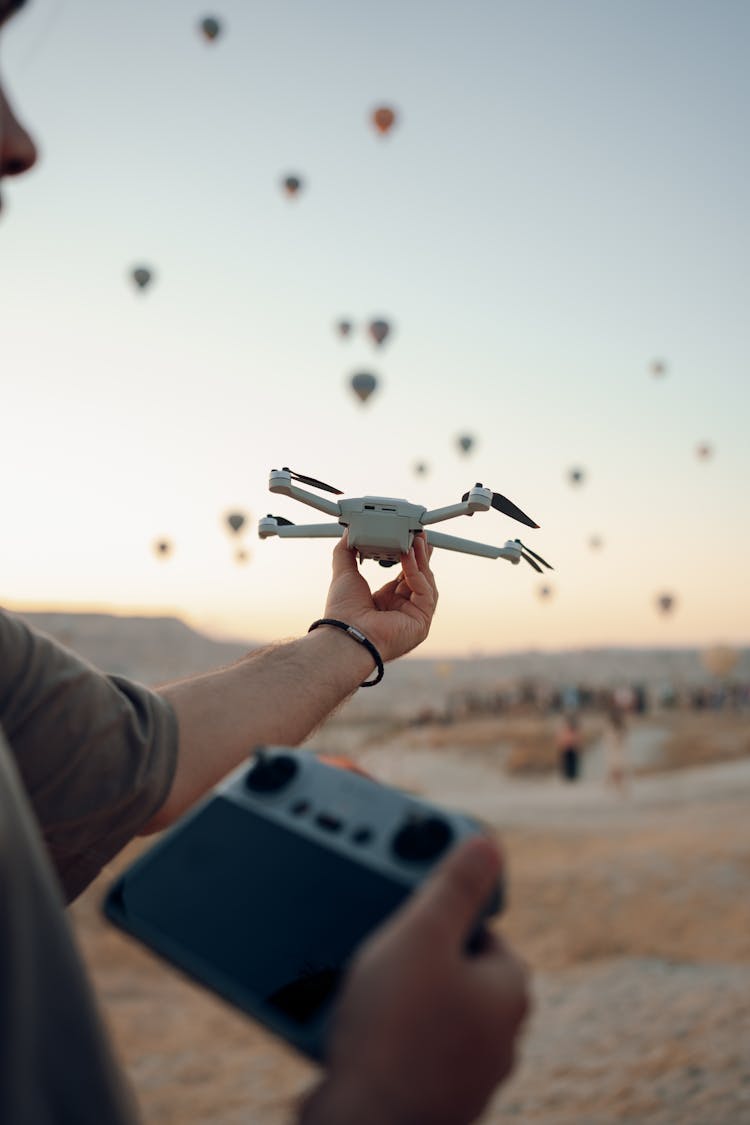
pixel 634 912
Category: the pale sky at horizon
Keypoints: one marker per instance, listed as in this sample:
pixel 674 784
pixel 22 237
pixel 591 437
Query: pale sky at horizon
pixel 563 199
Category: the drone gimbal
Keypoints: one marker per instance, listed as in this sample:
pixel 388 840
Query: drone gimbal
pixel 383 528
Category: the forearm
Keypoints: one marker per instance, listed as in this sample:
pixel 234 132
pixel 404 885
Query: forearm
pixel 277 696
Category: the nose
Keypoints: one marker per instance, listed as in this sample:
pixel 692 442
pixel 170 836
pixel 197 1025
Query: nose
pixel 17 149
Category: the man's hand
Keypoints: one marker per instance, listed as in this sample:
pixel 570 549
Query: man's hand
pixel 398 616
pixel 423 1031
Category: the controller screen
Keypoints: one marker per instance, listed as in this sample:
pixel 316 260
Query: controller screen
pixel 259 912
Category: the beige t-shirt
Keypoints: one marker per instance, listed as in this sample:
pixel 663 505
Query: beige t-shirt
pixel 85 761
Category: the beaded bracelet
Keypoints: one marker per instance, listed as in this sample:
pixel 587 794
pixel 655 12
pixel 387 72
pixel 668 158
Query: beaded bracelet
pixel 358 636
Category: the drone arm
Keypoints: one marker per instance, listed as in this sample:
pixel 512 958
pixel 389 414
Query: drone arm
pixel 511 551
pixel 305 531
pixel 438 514
pixel 286 488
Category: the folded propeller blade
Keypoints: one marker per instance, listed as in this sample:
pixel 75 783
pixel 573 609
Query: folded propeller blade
pixel 531 562
pixel 534 555
pixel 281 521
pixel 508 508
pixel 313 482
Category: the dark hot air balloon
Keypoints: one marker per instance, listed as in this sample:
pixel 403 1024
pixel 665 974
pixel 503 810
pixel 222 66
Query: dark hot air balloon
pixel 363 384
pixel 344 328
pixel 576 476
pixel 236 521
pixel 210 28
pixel 595 542
pixel 142 276
pixel 544 592
pixel 465 442
pixel 162 548
pixel 665 603
pixel 384 118
pixel 704 451
pixel 379 330
pixel 421 469
pixel 292 185
pixel 658 367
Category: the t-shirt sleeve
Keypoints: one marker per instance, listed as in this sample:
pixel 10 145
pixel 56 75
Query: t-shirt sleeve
pixel 96 753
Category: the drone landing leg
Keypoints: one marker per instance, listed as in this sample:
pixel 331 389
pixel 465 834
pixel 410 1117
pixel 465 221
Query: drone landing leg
pixel 511 551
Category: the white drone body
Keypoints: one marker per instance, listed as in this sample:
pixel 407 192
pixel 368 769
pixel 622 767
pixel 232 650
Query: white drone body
pixel 383 527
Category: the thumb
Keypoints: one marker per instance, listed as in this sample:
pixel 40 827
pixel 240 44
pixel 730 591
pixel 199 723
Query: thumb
pixel 446 908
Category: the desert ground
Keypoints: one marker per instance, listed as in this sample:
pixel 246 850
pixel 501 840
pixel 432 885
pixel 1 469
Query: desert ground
pixel 631 907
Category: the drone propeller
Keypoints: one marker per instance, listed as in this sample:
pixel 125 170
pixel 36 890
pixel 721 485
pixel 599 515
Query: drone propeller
pixel 527 551
pixel 313 482
pixel 507 507
pixel 281 521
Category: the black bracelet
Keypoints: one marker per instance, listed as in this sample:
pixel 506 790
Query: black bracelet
pixel 358 636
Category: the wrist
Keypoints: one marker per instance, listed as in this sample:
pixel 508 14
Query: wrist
pixel 355 634
pixel 337 650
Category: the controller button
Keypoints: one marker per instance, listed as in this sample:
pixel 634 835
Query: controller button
pixel 300 807
pixel 271 772
pixel 362 836
pixel 422 838
pixel 330 823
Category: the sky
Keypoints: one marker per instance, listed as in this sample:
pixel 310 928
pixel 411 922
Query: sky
pixel 562 200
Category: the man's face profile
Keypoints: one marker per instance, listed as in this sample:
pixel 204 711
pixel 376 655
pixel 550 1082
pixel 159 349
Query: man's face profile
pixel 17 149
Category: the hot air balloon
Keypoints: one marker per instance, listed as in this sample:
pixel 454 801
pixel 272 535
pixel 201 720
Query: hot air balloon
pixel 241 555
pixel 704 451
pixel 210 28
pixel 576 476
pixel 383 118
pixel 665 603
pixel 292 185
pixel 421 469
pixel 363 384
pixel 162 548
pixel 379 330
pixel 235 521
pixel 720 660
pixel 595 542
pixel 658 367
pixel 142 276
pixel 344 327
pixel 465 442
pixel 544 592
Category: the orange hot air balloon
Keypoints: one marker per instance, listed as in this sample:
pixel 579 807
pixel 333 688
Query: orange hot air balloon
pixel 720 660
pixel 383 118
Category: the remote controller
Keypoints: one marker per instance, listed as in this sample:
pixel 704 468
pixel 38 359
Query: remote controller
pixel 265 890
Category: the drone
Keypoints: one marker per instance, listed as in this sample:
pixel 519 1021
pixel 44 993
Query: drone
pixel 383 528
